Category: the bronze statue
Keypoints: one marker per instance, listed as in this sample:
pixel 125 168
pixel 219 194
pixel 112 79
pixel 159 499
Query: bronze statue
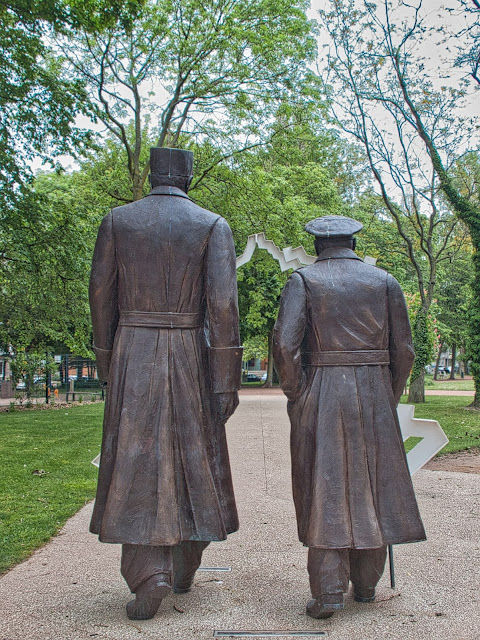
pixel 343 351
pixel 163 298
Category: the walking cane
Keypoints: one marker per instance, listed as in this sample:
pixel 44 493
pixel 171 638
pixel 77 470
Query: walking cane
pixel 392 566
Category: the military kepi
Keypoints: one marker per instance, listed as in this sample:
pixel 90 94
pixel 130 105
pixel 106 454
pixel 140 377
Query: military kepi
pixel 333 226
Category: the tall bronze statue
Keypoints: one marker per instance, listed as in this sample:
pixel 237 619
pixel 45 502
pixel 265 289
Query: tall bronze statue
pixel 343 350
pixel 163 298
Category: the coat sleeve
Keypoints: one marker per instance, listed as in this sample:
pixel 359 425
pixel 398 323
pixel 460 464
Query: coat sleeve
pixel 400 338
pixel 288 337
pixel 222 305
pixel 103 296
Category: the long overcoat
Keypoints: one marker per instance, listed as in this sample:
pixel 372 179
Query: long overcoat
pixel 342 347
pixel 163 299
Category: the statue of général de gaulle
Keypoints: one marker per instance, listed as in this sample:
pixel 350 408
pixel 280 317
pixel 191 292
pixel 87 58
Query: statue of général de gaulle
pixel 163 298
pixel 343 351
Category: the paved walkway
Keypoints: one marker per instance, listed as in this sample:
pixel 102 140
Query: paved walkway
pixel 72 589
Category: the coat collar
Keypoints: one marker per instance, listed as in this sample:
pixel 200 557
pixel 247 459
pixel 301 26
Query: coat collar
pixel 337 252
pixel 166 190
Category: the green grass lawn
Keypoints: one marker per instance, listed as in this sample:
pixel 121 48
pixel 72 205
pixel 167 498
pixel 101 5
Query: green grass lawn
pixel 446 384
pixel 58 444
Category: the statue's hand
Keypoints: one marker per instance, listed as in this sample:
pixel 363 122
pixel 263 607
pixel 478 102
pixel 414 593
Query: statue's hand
pixel 102 374
pixel 103 357
pixel 224 404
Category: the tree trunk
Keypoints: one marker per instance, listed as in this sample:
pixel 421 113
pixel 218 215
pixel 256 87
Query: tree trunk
pixel 454 355
pixel 416 393
pixel 422 356
pixel 137 187
pixel 437 363
pixel 269 381
pixel 461 364
pixel 29 384
pixel 474 348
pixel 476 398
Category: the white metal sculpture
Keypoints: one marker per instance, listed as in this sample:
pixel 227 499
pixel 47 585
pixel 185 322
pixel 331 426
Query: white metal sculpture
pixel 432 434
pixel 287 258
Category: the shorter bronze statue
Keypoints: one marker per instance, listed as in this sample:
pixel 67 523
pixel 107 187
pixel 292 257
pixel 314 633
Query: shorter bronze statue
pixel 163 297
pixel 343 351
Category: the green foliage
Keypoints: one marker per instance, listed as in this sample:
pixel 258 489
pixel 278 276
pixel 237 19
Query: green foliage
pixel 26 366
pixel 44 273
pixel 37 108
pixel 260 284
pixel 105 172
pixel 220 71
pixel 380 240
pixel 473 343
pixel 64 15
pixel 276 189
pixel 424 333
pixel 454 296
pixel 255 347
pixel 423 344
pixel 47 474
pixel 38 103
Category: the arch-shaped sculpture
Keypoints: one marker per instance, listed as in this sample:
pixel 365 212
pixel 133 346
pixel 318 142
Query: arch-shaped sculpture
pixel 287 258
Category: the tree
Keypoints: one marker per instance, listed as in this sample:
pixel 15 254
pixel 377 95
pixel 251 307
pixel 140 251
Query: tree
pixel 274 189
pixel 368 65
pixel 44 276
pixel 215 71
pixel 453 303
pixel 465 205
pixel 38 105
pixel 469 56
pixel 43 298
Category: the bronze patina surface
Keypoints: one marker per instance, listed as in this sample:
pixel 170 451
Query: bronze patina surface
pixel 163 297
pixel 343 351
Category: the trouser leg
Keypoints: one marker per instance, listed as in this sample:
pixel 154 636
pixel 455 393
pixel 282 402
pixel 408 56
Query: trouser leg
pixel 328 571
pixel 187 557
pixel 142 562
pixel 366 569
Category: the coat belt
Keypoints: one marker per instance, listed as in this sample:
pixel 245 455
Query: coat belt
pixel 161 319
pixel 345 358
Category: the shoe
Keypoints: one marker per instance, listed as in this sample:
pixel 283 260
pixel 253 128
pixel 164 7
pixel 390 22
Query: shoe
pixel 325 605
pixel 148 599
pixel 366 594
